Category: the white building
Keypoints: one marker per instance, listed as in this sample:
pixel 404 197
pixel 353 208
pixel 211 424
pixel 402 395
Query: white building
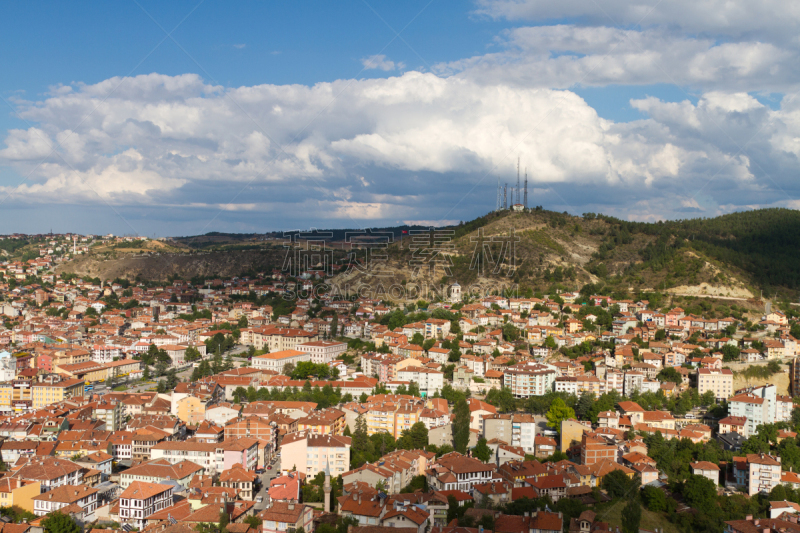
pixel 142 499
pixel 529 379
pixel 322 351
pixel 311 453
pixel 66 495
pixel 428 380
pixel 8 366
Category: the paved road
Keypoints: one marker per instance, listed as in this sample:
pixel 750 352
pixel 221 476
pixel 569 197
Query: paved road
pixel 266 477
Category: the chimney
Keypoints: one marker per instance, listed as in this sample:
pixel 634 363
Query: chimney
pixel 291 507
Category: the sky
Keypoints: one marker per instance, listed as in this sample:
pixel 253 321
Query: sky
pixel 181 118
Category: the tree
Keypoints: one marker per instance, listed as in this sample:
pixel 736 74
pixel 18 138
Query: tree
pixel 631 516
pixel 502 398
pixel 146 373
pixel 239 394
pixel 288 369
pixel 60 523
pixel 617 484
pixel 334 325
pixel 360 444
pixel 730 353
pixel 461 426
pixel 559 411
pixel 191 354
pixel 482 451
pixel 654 499
pixel 700 493
pixel 415 438
pixel 669 374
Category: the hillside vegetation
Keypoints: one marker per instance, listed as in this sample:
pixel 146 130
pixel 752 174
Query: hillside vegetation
pixel 731 256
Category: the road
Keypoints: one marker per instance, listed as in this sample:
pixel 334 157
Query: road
pixel 266 477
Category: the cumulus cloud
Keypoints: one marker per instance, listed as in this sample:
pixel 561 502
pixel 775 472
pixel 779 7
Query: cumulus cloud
pixel 415 147
pixel 379 62
pixel 568 55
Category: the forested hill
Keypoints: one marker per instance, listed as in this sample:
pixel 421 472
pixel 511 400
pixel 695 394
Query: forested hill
pixel 734 255
pixel 764 243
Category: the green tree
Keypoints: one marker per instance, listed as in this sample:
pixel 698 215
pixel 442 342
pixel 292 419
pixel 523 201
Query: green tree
pixel 559 411
pixel 334 325
pixel 192 354
pixel 700 493
pixel 461 426
pixel 631 516
pixel 482 451
pixel 502 398
pixel 60 523
pixel 617 484
pixel 654 499
pixel 669 374
pixel 239 394
pixel 415 438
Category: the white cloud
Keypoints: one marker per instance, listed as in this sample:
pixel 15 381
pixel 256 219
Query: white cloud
pixel 568 55
pixel 239 46
pixel 408 147
pixel 738 18
pixel 380 62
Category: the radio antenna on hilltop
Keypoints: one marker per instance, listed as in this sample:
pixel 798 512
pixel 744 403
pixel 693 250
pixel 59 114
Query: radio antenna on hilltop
pixel 497 207
pixel 505 196
pixel 525 204
pixel 517 180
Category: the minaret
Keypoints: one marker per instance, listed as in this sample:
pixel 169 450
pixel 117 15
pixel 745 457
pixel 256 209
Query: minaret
pixel 327 486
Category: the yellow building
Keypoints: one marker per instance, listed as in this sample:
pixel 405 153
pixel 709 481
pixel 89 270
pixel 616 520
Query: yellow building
pixel 46 392
pixel 192 410
pixel 123 367
pixel 88 371
pixel 18 492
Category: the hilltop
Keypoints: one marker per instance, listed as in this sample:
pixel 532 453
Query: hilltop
pixel 731 256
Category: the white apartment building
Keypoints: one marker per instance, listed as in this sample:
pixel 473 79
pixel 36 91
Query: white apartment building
pixel 141 499
pixel 529 379
pixel 322 351
pixel 104 353
pixel 759 473
pixel 720 382
pixel 277 360
pixel 8 366
pixel 428 380
pixel 760 405
pixel 523 431
pixel 312 453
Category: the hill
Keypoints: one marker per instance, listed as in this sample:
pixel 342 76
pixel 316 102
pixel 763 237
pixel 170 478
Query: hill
pixel 731 256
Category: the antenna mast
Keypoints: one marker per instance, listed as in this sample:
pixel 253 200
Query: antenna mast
pixel 526 188
pixel 505 196
pixel 497 207
pixel 517 181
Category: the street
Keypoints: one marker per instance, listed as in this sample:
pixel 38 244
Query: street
pixel 265 478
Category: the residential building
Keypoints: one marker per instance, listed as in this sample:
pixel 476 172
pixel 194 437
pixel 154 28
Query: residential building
pixel 53 500
pixel 141 499
pixel 311 453
pixel 720 382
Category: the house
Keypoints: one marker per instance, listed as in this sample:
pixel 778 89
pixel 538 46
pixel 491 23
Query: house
pixel 240 479
pixel 281 517
pixel 706 469
pixel 142 499
pixel 83 496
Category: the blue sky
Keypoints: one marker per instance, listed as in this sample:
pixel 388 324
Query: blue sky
pixel 257 116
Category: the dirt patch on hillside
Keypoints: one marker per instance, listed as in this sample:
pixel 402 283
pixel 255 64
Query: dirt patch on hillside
pixel 780 380
pixel 706 289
